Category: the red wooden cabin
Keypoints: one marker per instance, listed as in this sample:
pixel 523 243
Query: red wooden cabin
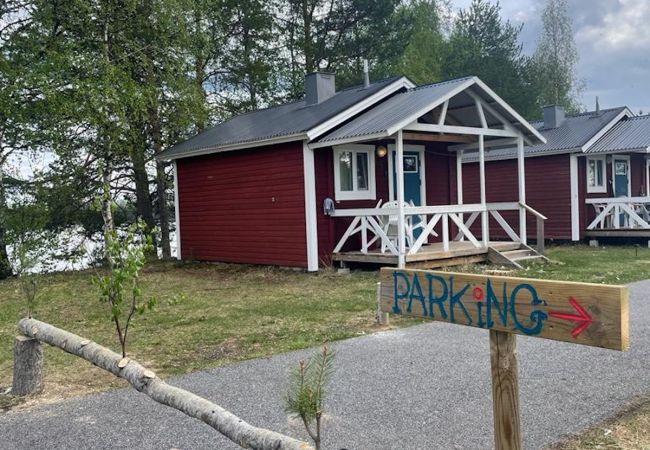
pixel 591 178
pixel 367 174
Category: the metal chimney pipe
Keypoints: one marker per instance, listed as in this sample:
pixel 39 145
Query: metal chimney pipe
pixel 366 76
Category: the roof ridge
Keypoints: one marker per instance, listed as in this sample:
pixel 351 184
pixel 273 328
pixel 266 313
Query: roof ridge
pixel 585 113
pixel 440 83
pixel 266 108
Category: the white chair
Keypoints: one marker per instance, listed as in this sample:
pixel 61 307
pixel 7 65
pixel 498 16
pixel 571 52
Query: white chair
pixel 389 224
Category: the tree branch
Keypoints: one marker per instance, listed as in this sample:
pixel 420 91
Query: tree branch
pixel 145 381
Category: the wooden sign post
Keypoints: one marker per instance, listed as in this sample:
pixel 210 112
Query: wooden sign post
pixel 580 313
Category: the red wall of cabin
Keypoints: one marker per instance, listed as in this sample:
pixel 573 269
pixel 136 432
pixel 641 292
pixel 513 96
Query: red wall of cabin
pixel 244 207
pixel 548 190
pixel 330 230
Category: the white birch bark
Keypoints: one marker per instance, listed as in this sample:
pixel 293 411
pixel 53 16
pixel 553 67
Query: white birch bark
pixel 145 381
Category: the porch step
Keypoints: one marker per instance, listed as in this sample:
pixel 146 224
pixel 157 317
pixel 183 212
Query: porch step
pixel 515 258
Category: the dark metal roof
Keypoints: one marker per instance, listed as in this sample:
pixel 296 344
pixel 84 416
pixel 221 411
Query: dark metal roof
pixel 631 134
pixel 291 119
pixel 572 135
pixel 575 132
pixel 380 120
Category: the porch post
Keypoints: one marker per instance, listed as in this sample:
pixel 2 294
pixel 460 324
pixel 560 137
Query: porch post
pixel 459 183
pixel 521 176
pixel 401 260
pixel 485 232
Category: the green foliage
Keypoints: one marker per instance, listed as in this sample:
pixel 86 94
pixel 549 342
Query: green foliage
pixel 307 391
pixel 120 288
pixel 482 44
pixel 556 58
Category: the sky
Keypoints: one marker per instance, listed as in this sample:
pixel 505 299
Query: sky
pixel 613 41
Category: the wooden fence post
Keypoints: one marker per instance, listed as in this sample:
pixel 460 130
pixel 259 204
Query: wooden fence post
pixel 28 366
pixel 505 390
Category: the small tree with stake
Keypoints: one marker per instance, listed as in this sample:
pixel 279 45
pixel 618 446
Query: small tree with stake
pixel 308 390
pixel 120 288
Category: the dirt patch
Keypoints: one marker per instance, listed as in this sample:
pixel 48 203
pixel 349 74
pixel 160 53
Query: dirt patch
pixel 227 349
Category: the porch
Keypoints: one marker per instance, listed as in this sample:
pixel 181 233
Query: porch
pixel 444 235
pixel 621 217
pixel 460 117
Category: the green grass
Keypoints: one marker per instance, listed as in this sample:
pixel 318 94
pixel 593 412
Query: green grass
pixel 608 265
pixel 230 312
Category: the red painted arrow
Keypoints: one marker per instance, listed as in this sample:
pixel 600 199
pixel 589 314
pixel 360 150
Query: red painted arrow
pixel 583 318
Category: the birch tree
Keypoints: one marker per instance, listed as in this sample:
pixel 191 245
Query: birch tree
pixel 556 58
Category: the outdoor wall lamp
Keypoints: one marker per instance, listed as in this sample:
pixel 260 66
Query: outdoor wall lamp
pixel 381 151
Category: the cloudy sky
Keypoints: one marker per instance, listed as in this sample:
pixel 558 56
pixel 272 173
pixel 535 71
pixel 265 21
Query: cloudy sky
pixel 613 39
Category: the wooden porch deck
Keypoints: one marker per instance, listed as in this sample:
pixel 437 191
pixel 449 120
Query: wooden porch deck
pixel 619 233
pixel 430 256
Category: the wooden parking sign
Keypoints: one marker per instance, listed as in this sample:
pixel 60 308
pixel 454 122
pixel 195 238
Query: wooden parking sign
pixel 579 313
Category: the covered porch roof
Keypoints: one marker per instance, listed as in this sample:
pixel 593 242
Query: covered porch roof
pixel 465 106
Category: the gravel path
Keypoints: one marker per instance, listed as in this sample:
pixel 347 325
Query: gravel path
pixel 425 387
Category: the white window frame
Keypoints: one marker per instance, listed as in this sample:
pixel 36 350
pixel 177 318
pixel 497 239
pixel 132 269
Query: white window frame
pixel 597 189
pixel 355 194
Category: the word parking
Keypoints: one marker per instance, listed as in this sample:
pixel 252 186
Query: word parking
pixel 583 313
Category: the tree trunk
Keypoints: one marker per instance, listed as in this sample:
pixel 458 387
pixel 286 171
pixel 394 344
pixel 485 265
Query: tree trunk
pixel 163 209
pixel 143 202
pixel 107 201
pixel 5 265
pixel 28 366
pixel 161 184
pixel 145 381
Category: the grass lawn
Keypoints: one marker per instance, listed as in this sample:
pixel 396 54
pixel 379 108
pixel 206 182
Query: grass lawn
pixel 229 313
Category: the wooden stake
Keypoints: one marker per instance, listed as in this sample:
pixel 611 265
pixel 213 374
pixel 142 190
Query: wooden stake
pixel 505 390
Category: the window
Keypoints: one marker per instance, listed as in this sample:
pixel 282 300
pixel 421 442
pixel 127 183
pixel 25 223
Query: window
pixel 354 172
pixel 596 174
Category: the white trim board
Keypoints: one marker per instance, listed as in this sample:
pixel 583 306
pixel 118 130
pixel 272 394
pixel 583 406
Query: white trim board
pixel 625 113
pixel 311 223
pixel 575 197
pixel 237 146
pixel 420 149
pixel 647 177
pixel 355 109
pixel 177 212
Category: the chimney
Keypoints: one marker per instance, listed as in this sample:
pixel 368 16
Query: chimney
pixel 319 86
pixel 553 116
pixel 366 75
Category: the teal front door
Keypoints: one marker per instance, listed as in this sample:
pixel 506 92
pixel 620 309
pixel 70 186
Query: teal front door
pixel 621 174
pixel 412 178
pixel 413 168
pixel 621 177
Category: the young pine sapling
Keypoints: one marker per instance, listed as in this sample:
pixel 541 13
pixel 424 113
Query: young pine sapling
pixel 308 390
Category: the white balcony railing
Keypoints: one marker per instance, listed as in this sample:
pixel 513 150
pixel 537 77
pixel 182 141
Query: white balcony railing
pixel 620 213
pixel 378 225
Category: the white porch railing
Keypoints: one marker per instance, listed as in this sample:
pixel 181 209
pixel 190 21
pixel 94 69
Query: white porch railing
pixel 369 224
pixel 620 213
